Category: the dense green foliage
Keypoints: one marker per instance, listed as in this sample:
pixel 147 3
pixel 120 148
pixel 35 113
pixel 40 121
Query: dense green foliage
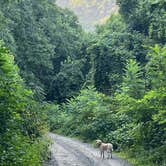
pixel 111 50
pixel 133 119
pixel 145 16
pixel 43 37
pixel 109 84
pixel 21 118
pixel 128 63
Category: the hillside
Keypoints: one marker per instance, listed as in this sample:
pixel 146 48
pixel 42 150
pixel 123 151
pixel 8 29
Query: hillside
pixel 91 12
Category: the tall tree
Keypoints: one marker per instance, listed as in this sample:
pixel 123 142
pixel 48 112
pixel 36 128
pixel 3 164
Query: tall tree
pixel 42 36
pixel 21 122
pixel 113 47
pixel 145 16
pixel 133 82
pixel 156 67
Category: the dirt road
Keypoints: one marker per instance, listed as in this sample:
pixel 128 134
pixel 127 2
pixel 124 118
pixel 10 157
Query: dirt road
pixel 71 152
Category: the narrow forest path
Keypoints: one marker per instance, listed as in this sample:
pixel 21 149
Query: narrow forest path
pixel 71 152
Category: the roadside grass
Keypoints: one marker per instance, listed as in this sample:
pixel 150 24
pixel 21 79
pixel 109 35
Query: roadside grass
pixel 141 160
pixel 131 160
pixel 44 149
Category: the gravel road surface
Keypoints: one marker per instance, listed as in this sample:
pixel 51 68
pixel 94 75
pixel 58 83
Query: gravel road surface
pixel 71 152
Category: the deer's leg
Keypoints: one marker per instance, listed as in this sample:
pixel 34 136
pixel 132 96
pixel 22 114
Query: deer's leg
pixel 108 153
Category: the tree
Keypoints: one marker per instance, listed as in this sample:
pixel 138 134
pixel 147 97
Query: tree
pixel 21 123
pixel 42 36
pixel 111 50
pixel 68 81
pixel 133 81
pixel 145 16
pixel 156 67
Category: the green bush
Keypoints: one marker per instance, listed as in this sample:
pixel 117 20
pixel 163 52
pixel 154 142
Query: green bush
pixel 21 117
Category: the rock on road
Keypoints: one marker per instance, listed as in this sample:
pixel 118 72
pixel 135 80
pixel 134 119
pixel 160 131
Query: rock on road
pixel 71 152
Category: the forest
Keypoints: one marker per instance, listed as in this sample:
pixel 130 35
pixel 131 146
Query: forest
pixel 108 84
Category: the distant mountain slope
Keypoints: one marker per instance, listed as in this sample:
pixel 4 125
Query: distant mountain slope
pixel 90 12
